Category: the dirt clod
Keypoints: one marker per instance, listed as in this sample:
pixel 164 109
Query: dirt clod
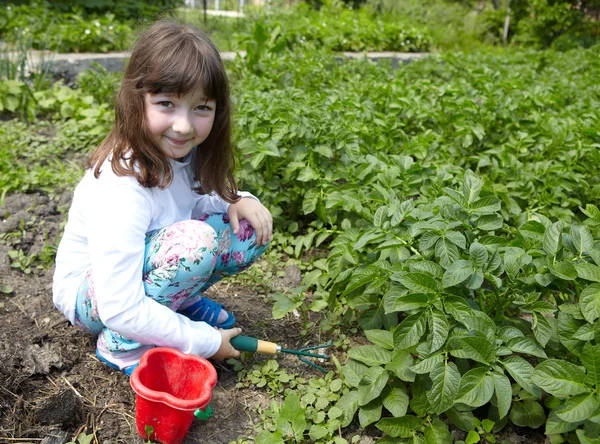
pixel 63 409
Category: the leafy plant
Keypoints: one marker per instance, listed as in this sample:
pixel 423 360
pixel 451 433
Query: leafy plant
pixel 21 261
pixel 312 411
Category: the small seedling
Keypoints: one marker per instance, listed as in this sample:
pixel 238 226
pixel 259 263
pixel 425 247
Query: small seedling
pixel 149 431
pixel 83 438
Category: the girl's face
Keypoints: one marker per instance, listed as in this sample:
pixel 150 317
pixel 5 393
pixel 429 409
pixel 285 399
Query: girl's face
pixel 179 123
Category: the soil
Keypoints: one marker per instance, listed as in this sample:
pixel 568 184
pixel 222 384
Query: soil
pixel 50 378
pixel 52 386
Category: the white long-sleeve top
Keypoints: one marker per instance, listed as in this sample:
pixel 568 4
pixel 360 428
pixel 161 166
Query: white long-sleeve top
pixel 106 229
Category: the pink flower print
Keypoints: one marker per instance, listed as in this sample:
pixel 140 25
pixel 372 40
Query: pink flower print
pixel 203 218
pixel 239 257
pixel 246 230
pixel 225 218
pixel 178 298
pixel 225 258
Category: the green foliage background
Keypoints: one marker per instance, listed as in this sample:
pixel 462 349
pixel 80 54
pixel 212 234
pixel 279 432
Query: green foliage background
pixel 451 205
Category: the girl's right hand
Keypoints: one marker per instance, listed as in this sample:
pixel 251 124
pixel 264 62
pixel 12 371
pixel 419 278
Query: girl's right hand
pixel 226 350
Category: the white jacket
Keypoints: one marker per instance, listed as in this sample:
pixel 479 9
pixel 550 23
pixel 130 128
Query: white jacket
pixel 106 230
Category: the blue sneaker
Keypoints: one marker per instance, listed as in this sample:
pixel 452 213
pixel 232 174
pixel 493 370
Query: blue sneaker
pixel 207 310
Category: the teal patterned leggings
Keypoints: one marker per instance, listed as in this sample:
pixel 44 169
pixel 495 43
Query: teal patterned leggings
pixel 181 262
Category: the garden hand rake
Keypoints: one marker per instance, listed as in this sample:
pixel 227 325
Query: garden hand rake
pixel 254 345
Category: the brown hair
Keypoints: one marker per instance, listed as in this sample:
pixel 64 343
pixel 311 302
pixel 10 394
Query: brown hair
pixel 170 58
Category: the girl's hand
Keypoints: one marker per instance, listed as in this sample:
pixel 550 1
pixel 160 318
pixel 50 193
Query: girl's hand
pixel 257 216
pixel 226 350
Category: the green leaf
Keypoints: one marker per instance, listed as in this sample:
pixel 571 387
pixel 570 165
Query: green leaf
pixel 457 273
pixel 478 255
pixel 543 328
pixel 439 328
pixel 419 283
pixel 283 305
pixel 527 414
pixel 533 230
pixel 556 426
pixel 409 332
pixel 471 186
pixel 472 437
pixel 311 198
pixel 382 338
pixel 472 347
pixel 353 371
pixel 480 322
pixel 446 252
pixel 526 345
pixel 476 388
pixel 579 408
pixel 370 354
pixel 419 403
pixel 317 431
pixel 407 302
pixel 348 404
pixel 266 437
pixel 584 439
pixel 400 427
pixel 486 205
pixel 521 371
pixel 372 384
pixel 503 392
pixel 401 364
pixel 544 279
pixel 445 382
pixel 427 241
pixel 428 364
pixel 590 358
pixel 457 307
pixel 428 267
pixel 294 414
pixel 370 413
pixel 589 272
pixel 582 239
pixel 456 196
pixel 395 400
pixel 457 239
pixel 589 301
pixel 585 333
pixel 559 378
pixel 567 328
pixel 489 222
pixel 552 239
pixel 437 433
pixel 463 420
pixel 563 270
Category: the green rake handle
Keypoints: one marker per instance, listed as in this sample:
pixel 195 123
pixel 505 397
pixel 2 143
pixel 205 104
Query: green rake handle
pixel 247 343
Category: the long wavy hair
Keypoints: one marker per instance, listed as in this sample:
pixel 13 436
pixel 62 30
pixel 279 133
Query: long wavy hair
pixel 170 58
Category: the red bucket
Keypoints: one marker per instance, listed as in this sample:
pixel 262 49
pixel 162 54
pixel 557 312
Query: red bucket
pixel 170 387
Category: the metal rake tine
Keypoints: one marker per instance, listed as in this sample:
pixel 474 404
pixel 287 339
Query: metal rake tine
pixel 312 364
pixel 315 347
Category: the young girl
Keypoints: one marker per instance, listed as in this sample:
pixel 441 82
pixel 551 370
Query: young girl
pixel 158 218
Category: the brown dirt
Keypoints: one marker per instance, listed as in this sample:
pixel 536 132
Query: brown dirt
pixel 50 378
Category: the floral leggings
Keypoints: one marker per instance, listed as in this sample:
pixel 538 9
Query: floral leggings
pixel 181 262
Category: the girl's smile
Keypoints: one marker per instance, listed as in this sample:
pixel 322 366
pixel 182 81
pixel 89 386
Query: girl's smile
pixel 179 123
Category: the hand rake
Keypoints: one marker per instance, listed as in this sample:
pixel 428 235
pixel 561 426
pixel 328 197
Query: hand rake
pixel 254 345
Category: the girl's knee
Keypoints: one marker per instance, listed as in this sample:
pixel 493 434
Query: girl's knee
pixel 192 240
pixel 194 234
